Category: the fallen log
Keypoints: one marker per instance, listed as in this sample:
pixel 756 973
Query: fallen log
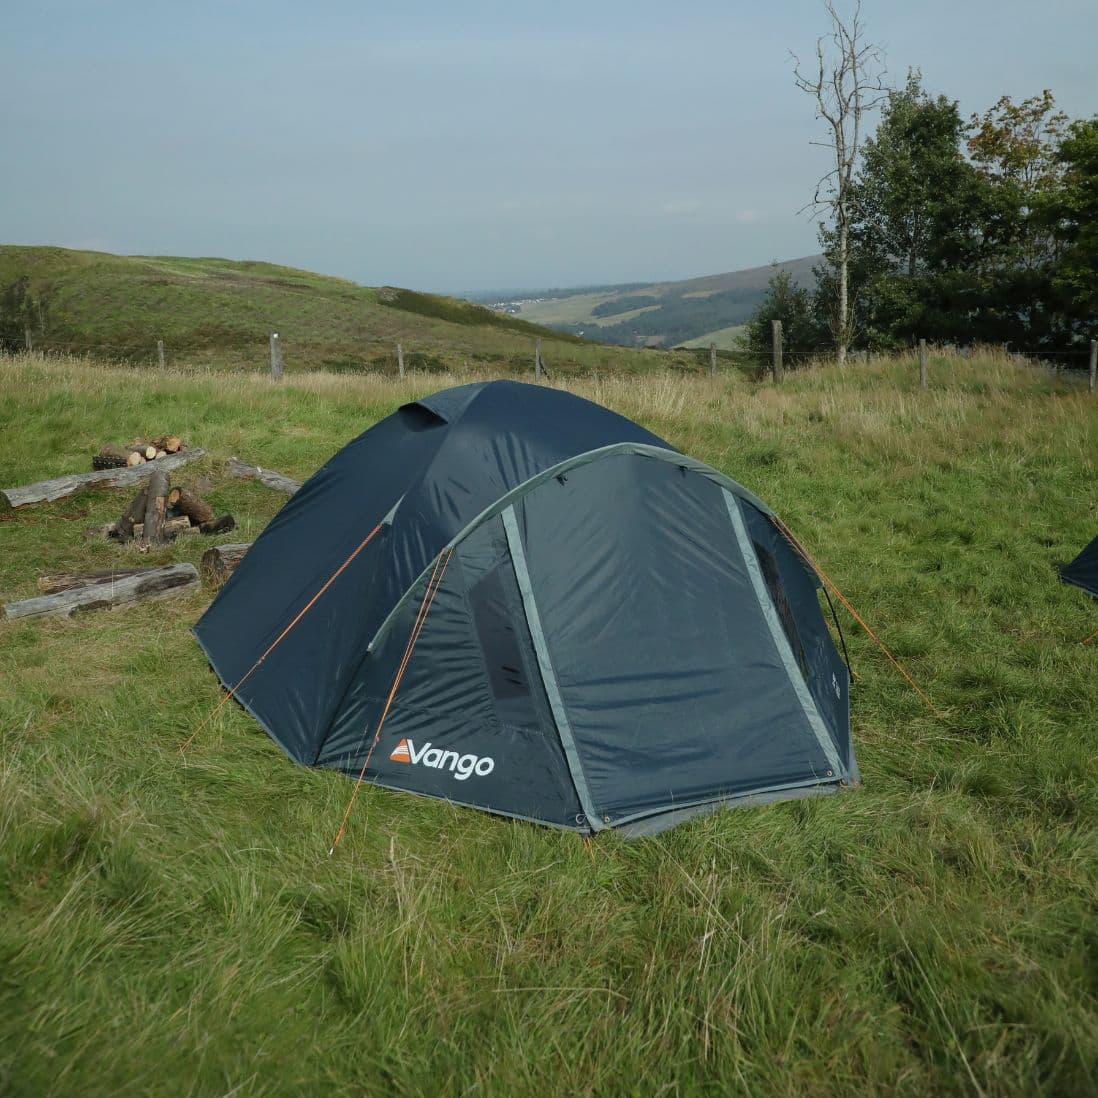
pixel 156 506
pixel 66 581
pixel 220 562
pixel 268 477
pixel 47 490
pixel 160 583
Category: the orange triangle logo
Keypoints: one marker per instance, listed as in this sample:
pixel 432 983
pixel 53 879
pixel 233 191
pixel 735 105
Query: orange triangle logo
pixel 401 754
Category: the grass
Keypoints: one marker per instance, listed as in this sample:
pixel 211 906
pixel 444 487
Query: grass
pixel 172 924
pixel 218 314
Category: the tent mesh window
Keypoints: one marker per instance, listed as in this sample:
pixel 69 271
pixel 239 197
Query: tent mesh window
pixel 774 584
pixel 507 675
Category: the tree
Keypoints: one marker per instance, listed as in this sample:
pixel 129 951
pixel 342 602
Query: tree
pixel 1014 146
pixel 918 208
pixel 846 83
pixel 793 306
pixel 1072 212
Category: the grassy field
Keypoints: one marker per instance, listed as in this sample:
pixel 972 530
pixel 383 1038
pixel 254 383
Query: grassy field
pixel 173 925
pixel 218 314
pixel 726 339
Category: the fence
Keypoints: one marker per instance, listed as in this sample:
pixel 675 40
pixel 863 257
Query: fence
pixel 771 364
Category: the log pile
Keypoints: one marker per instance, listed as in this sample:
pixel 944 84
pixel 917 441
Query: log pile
pixel 137 452
pixel 159 513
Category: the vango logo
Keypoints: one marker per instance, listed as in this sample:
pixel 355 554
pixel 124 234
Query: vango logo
pixel 461 766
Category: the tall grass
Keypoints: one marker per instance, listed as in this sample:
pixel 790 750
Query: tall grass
pixel 172 924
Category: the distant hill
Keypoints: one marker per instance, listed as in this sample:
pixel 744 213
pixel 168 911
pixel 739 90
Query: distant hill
pixel 220 313
pixel 666 314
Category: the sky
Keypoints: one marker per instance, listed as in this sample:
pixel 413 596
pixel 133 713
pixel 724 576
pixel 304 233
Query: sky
pixel 472 146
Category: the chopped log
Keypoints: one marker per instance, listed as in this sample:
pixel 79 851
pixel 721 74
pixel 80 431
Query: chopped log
pixel 194 507
pixel 266 476
pixel 172 443
pixel 146 449
pixel 66 581
pixel 219 526
pixel 161 453
pixel 220 562
pixel 134 513
pixel 135 458
pixel 173 527
pixel 159 583
pixel 170 528
pixel 156 505
pixel 47 490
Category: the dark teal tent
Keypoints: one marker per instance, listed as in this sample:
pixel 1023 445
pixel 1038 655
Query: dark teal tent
pixel 1083 570
pixel 608 634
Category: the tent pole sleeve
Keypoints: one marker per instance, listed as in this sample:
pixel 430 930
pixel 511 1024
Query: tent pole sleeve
pixel 781 641
pixel 545 666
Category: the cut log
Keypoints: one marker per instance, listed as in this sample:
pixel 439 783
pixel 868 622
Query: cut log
pixel 135 458
pixel 172 443
pixel 134 513
pixel 171 528
pixel 266 476
pixel 66 581
pixel 160 583
pixel 147 450
pixel 219 562
pixel 220 525
pixel 156 504
pixel 194 507
pixel 47 490
pixel 161 454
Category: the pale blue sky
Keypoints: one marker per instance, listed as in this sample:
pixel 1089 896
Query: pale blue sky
pixel 464 146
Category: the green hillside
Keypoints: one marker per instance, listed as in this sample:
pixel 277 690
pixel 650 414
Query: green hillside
pixel 665 314
pixel 219 313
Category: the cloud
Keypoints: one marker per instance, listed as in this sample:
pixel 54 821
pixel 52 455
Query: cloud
pixel 749 217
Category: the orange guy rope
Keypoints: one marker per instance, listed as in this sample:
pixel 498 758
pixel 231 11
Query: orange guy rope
pixel 433 585
pixel 1087 640
pixel 788 535
pixel 274 644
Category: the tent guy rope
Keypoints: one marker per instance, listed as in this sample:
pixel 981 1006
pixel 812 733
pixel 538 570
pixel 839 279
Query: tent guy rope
pixel 231 692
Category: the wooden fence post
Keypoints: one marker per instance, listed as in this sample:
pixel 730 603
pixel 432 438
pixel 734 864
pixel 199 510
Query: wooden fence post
pixel 276 357
pixel 922 363
pixel 712 360
pixel 400 360
pixel 537 359
pixel 1093 364
pixel 776 338
pixel 160 352
pixel 27 337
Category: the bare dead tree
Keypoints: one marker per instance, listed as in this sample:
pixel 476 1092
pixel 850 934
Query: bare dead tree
pixel 847 82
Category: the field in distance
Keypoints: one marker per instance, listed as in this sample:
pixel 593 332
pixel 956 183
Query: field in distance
pixel 692 312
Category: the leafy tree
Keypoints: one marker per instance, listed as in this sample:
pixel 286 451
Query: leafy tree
pixel 1072 212
pixel 794 306
pixel 1014 146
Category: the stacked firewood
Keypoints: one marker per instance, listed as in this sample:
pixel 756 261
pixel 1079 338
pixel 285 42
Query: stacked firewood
pixel 137 452
pixel 159 513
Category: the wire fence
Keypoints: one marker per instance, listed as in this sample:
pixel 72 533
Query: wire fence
pixel 771 362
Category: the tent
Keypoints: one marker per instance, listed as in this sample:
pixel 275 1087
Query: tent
pixel 512 598
pixel 1083 570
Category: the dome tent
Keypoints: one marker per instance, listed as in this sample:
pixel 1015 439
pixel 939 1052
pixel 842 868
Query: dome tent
pixel 1083 570
pixel 606 632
